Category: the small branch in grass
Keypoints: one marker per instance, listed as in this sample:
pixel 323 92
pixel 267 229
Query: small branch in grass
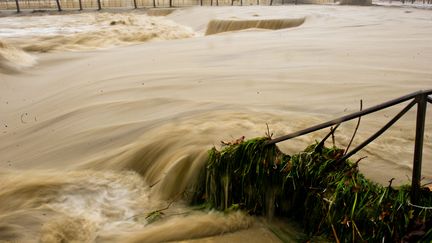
pixel 358 231
pixel 358 161
pixel 333 136
pixel 334 233
pixel 332 130
pixel 390 182
pixel 355 130
pixel 427 184
pixel 268 134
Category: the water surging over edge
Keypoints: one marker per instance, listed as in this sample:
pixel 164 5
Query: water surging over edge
pixel 219 26
pixel 109 197
pixel 13 58
pixel 109 30
pixel 108 206
pixel 87 31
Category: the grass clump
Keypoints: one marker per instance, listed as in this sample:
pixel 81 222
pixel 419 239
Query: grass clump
pixel 325 194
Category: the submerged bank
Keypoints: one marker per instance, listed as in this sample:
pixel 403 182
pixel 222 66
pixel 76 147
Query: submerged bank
pixel 326 193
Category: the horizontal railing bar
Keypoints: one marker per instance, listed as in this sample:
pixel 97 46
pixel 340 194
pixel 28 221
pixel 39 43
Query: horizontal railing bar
pixel 350 116
pixel 381 131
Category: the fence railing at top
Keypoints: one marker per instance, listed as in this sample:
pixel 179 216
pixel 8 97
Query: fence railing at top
pixel 419 98
pixel 19 5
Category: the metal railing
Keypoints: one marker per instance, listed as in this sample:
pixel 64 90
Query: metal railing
pixel 99 4
pixel 60 5
pixel 419 98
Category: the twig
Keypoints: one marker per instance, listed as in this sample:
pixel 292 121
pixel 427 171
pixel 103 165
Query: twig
pixel 333 136
pixel 390 182
pixel 332 130
pixel 162 209
pixel 152 185
pixel 358 232
pixel 157 211
pixel 426 184
pixel 335 235
pixel 358 161
pixel 355 130
pixel 268 134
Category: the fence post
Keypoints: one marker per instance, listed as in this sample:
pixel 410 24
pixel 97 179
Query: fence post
pixel 80 5
pixel 418 147
pixel 17 6
pixel 170 3
pixel 154 3
pixel 99 5
pixel 135 5
pixel 58 5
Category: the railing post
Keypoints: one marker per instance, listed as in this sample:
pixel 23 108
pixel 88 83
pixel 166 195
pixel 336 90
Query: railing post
pixel 135 4
pixel 418 147
pixel 58 5
pixel 99 5
pixel 154 3
pixel 17 6
pixel 80 5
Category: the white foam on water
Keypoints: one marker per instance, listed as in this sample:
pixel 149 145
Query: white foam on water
pixel 109 200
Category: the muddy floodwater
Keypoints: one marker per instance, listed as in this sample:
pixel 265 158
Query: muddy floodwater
pixel 108 116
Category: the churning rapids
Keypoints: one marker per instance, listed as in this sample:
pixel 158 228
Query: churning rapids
pixel 106 117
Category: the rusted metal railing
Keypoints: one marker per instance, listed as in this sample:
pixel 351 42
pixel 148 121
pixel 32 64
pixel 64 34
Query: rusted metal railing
pixel 419 98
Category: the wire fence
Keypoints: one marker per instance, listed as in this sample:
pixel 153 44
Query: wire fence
pixel 101 4
pixel 19 5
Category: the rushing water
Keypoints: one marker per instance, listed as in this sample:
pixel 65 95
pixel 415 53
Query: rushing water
pixel 107 117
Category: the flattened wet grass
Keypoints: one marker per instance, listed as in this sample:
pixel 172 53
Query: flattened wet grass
pixel 327 195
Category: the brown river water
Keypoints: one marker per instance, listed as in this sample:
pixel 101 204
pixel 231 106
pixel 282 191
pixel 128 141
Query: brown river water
pixel 106 117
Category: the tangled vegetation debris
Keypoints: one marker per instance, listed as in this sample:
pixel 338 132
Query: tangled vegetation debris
pixel 325 194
